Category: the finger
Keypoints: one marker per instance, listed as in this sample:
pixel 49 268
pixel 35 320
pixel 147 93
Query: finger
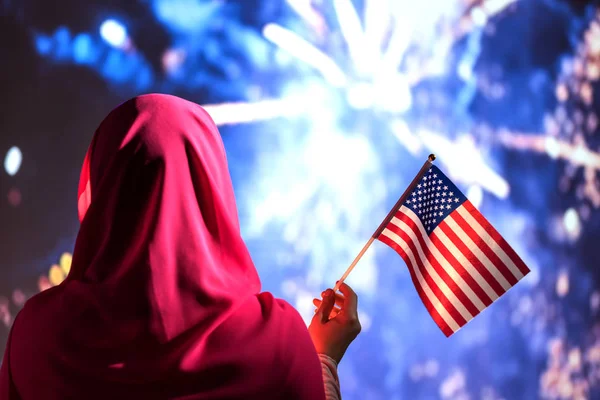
pixel 351 299
pixel 339 300
pixel 333 313
pixel 326 305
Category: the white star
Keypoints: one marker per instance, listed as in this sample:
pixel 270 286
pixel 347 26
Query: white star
pixel 434 221
pixel 420 198
pixel 419 192
pixel 435 208
pixel 414 194
pixel 440 182
pixel 448 206
pixel 456 200
pixel 445 187
pixel 444 194
pixel 451 193
pixel 437 195
pixel 419 186
pixel 437 201
pixel 443 200
pixel 439 188
pixel 434 175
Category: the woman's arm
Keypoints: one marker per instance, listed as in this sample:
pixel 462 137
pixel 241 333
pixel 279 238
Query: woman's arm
pixel 330 378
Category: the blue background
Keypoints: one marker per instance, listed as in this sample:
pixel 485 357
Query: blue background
pixel 327 110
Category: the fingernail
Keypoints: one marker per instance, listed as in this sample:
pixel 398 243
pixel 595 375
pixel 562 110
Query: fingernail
pixel 328 293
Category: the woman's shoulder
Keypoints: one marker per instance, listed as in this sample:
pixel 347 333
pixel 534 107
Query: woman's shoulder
pixel 37 315
pixel 276 305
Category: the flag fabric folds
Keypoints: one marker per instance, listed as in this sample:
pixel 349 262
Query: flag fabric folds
pixel 458 262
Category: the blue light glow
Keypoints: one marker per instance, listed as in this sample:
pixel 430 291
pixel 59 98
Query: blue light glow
pixel 114 33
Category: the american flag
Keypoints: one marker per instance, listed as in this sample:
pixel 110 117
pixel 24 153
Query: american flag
pixel 457 261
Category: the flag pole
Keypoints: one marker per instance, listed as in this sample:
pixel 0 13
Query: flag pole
pixel 388 218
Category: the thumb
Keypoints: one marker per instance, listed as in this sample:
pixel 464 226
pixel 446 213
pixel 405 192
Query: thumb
pixel 326 306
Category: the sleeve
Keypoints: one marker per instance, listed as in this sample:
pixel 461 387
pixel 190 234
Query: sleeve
pixel 7 387
pixel 330 378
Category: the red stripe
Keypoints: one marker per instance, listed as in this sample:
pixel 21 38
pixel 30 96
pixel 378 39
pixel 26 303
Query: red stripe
pixel 437 318
pixel 435 264
pixel 443 226
pixel 454 263
pixel 480 242
pixel 446 303
pixel 496 236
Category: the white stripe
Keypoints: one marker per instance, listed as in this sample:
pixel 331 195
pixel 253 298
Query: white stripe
pixel 483 234
pixel 442 261
pixel 432 298
pixel 464 261
pixel 462 235
pixel 460 307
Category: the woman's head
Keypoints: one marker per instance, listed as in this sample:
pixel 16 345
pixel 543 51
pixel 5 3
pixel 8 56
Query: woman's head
pixel 156 202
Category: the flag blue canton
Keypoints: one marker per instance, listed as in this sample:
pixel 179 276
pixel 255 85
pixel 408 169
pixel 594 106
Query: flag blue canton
pixel 434 198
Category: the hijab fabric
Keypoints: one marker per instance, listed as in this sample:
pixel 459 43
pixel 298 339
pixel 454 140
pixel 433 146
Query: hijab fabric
pixel 162 300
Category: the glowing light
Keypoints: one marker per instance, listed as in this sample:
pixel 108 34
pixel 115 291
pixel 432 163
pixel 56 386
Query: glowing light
pixel 475 195
pixel 305 9
pixel 562 93
pixel 13 160
pixel 572 223
pixel 114 33
pixel 44 283
pixel 465 162
pixel 82 48
pixel 185 16
pixel 578 155
pixel 495 6
pixel 65 262
pixel 465 71
pixel 377 16
pixel 14 197
pixel 173 59
pixel 361 96
pixel 18 297
pixel 365 321
pixel 394 94
pixel 243 112
pixel 304 306
pixel 289 288
pixel 306 52
pixel 595 301
pixel 56 275
pixel 562 284
pixel 410 141
pixel 431 368
pixel 575 359
pixel 352 30
pixel 479 16
pixel 552 147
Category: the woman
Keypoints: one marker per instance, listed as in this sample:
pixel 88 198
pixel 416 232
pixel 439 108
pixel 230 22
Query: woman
pixel 162 300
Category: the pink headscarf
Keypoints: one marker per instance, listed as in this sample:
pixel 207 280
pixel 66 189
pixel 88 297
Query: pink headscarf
pixel 162 301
